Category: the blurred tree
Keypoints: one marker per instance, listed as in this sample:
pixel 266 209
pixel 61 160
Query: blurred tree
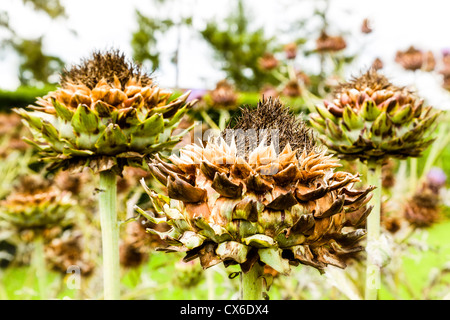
pixel 239 48
pixel 144 41
pixel 53 8
pixel 36 68
pixel 151 29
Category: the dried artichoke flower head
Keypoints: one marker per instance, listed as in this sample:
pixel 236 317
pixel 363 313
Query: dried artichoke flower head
pixel 106 114
pixel 36 205
pixel 259 205
pixel 371 119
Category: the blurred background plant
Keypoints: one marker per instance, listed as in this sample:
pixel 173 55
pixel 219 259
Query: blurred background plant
pixel 229 53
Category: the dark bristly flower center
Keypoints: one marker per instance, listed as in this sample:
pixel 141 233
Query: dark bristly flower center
pixel 104 65
pixel 270 120
pixel 371 79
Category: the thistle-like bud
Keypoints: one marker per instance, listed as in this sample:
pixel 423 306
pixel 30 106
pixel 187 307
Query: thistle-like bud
pixel 371 119
pixel 107 113
pixel 290 50
pixel 224 95
pixel 327 43
pixel 423 209
pixel 414 59
pixel 36 206
pixel 268 62
pixel 271 199
pixel 365 26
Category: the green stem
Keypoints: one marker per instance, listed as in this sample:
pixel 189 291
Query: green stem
pixel 373 231
pixel 210 284
pixel 208 120
pixel 413 173
pixel 224 116
pixel 110 235
pixel 252 283
pixel 39 266
pixel 437 147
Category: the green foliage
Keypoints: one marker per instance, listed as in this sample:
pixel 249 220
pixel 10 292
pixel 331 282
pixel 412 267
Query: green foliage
pixel 239 48
pixel 22 97
pixel 53 8
pixel 144 41
pixel 36 67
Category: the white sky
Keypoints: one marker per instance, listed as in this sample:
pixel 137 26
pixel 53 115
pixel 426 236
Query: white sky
pixel 102 24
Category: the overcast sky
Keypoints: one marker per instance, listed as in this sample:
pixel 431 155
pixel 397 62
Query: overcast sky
pixel 101 24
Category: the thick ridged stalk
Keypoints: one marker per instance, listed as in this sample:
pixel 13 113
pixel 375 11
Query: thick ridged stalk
pixel 110 235
pixel 39 266
pixel 252 283
pixel 373 231
pixel 413 173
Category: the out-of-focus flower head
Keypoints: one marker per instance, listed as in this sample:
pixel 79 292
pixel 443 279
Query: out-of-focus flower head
pixel 327 43
pixel 35 205
pixel 414 59
pixel 290 50
pixel 423 208
pixel 224 95
pixel 269 91
pixel 365 26
pixel 268 61
pixel 292 89
pixel 377 64
pixel 436 178
pixel 66 251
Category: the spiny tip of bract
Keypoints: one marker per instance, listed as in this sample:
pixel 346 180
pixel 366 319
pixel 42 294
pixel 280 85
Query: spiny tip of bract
pixel 108 65
pixel 270 114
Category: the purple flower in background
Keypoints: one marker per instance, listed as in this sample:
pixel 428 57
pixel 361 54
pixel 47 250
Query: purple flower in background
pixel 436 177
pixel 197 94
pixel 445 51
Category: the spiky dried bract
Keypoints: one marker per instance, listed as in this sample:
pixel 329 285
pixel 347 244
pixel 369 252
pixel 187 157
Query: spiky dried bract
pixel 276 209
pixel 36 206
pixel 270 116
pixel 105 115
pixel 371 119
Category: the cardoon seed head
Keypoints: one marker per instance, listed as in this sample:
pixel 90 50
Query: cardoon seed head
pixel 259 205
pixel 106 114
pixel 35 205
pixel 371 119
